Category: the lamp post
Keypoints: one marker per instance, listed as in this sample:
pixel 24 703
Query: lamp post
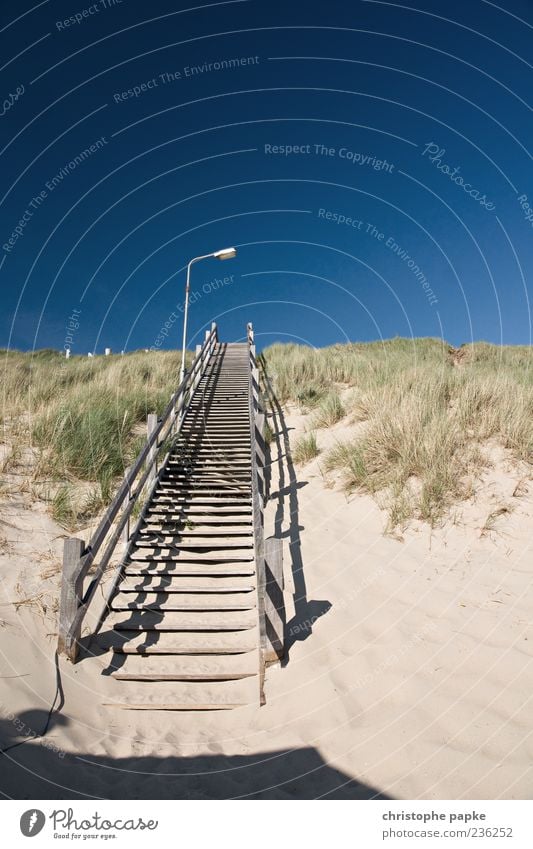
pixel 225 253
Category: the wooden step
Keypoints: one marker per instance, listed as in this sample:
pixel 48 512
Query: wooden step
pixel 210 455
pixel 175 494
pixel 165 601
pixel 157 554
pixel 175 706
pixel 186 522
pixel 169 503
pixel 177 584
pixel 166 529
pixel 204 511
pixel 222 493
pixel 136 667
pixel 178 643
pixel 215 464
pixel 148 620
pixel 199 695
pixel 158 532
pixel 207 475
pixel 195 543
pixel 189 569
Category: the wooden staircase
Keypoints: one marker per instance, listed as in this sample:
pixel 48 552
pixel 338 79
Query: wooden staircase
pixel 183 625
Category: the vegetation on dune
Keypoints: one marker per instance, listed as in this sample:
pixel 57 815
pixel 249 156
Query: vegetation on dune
pixel 421 414
pixel 305 449
pixel 84 416
pixel 329 411
pixel 425 411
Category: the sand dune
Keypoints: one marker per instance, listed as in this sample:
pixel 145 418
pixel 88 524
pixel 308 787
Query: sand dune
pixel 409 670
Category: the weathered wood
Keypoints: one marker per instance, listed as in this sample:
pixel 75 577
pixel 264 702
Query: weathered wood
pixel 177 676
pixel 176 706
pixel 151 460
pixel 125 537
pixel 257 518
pixel 71 593
pixel 274 603
pixel 74 604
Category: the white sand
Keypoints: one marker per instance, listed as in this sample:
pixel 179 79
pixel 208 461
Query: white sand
pixel 414 680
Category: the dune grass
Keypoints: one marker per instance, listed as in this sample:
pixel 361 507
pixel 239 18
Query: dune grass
pixel 329 410
pixel 305 449
pixel 427 412
pixel 84 417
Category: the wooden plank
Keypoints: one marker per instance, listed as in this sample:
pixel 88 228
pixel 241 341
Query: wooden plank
pixel 155 555
pixel 177 706
pixel 274 606
pixel 71 594
pixel 162 528
pixel 190 621
pixel 168 601
pixel 181 643
pixel 177 676
pixel 257 506
pixel 151 425
pixel 177 584
pixel 193 542
pixel 162 567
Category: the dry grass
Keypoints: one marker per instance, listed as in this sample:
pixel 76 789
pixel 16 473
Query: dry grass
pixel 329 411
pixel 82 417
pixel 427 412
pixel 306 449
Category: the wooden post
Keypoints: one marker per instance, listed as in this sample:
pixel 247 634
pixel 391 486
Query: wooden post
pixel 255 388
pixel 126 530
pixel 71 594
pixel 274 605
pixel 260 454
pixel 151 460
pixel 198 377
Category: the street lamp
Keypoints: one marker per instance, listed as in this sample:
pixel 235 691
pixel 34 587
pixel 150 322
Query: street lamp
pixel 225 253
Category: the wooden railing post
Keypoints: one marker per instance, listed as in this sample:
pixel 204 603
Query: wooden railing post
pixel 71 595
pixel 198 377
pixel 274 606
pixel 126 530
pixel 151 424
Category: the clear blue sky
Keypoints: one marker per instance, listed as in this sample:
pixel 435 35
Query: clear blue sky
pixel 370 160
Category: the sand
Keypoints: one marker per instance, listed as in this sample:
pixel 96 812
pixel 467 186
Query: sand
pixel 409 672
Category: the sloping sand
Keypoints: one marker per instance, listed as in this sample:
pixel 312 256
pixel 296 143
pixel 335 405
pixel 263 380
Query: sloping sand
pixel 409 672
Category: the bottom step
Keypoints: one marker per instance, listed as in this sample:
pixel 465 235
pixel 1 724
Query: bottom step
pixel 126 706
pixel 181 676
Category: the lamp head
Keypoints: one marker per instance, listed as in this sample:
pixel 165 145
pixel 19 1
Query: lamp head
pixel 226 253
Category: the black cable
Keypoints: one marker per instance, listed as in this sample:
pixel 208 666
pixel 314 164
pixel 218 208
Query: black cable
pixel 59 692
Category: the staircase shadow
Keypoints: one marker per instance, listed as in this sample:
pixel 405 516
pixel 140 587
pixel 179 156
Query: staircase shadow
pixel 42 770
pixel 300 627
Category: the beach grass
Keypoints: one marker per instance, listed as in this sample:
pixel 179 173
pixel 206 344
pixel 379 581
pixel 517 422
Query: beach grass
pixel 305 449
pixel 84 417
pixel 426 413
pixel 423 415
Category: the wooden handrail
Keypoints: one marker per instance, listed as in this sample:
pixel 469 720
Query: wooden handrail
pixel 257 459
pixel 78 558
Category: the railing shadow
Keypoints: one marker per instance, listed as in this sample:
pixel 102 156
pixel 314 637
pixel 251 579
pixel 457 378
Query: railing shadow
pixel 300 627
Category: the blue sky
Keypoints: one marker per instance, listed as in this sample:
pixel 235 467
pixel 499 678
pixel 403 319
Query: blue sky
pixel 369 160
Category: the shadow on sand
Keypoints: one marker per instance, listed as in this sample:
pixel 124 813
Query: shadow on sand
pixel 38 769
